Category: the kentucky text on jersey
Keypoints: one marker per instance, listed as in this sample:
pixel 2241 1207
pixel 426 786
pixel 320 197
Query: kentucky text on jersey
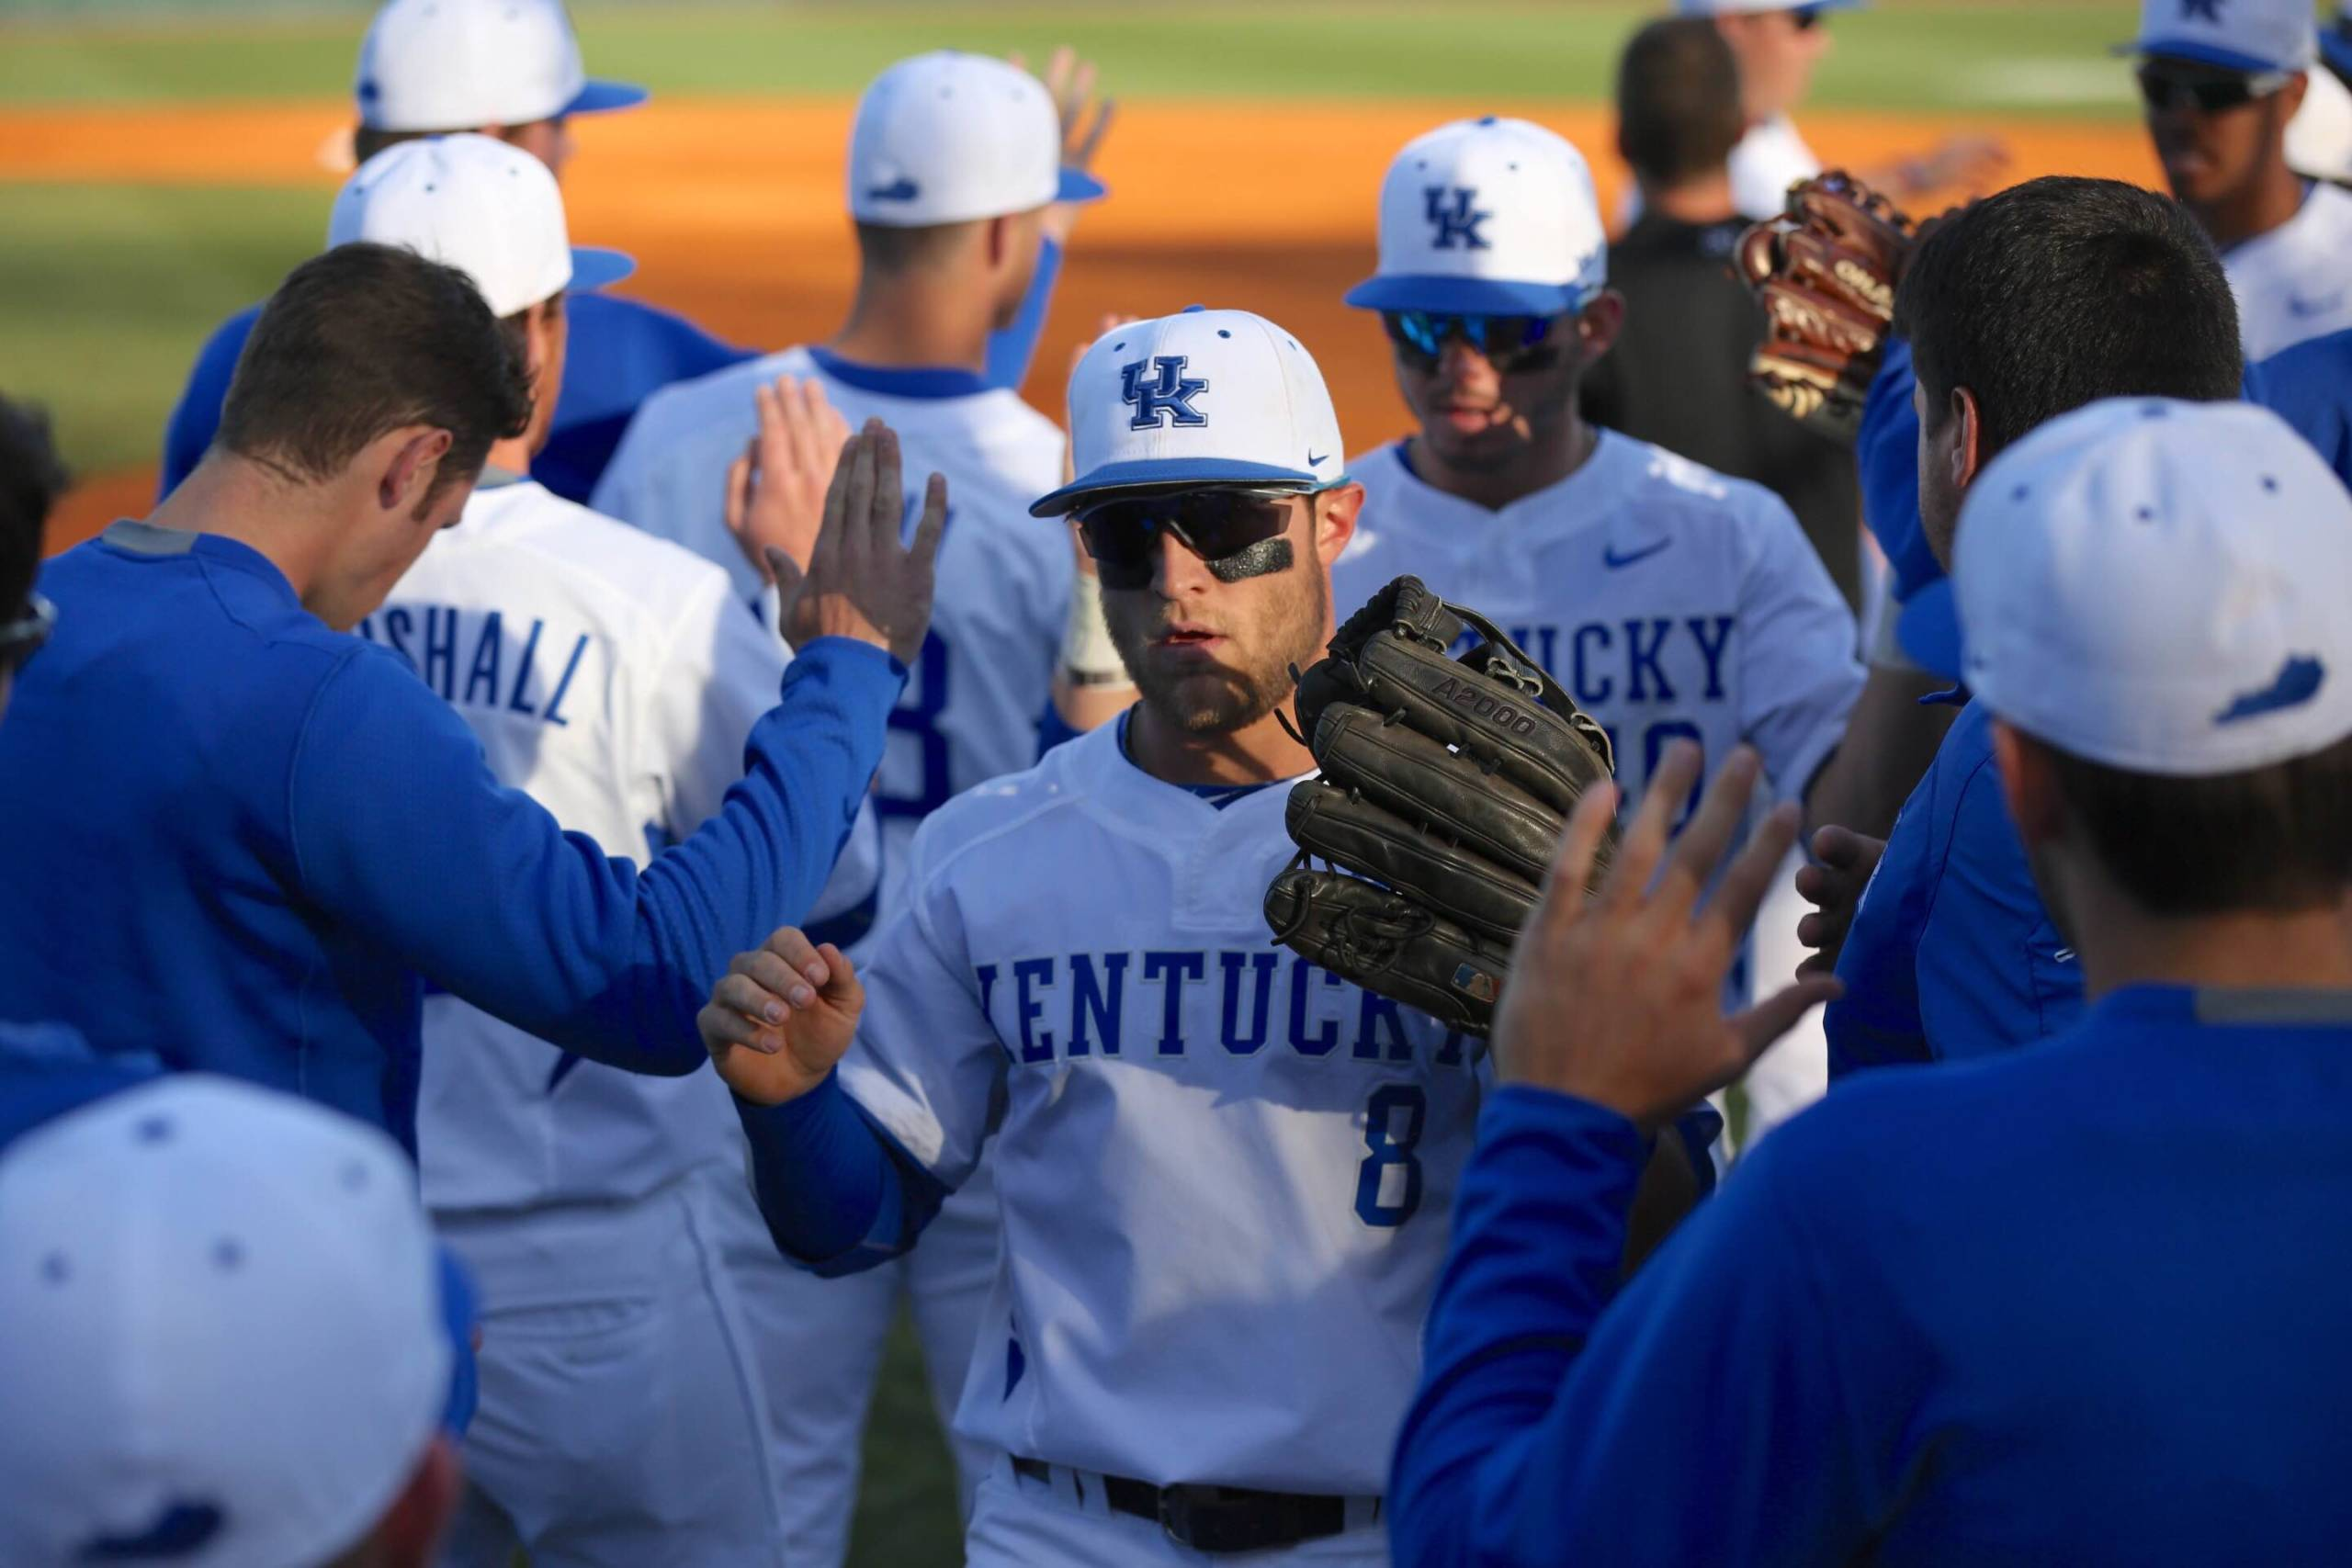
pixel 1070 1006
pixel 475 658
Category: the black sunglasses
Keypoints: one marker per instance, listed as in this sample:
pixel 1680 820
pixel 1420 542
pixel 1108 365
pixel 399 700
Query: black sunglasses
pixel 1807 17
pixel 22 638
pixel 2207 91
pixel 1123 535
pixel 1508 343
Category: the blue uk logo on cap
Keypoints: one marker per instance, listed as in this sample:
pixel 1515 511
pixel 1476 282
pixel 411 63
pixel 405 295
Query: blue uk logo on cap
pixel 1166 400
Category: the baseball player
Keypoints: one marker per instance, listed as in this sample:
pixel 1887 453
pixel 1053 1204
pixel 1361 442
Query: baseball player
pixel 302 828
pixel 1778 44
pixel 1953 955
pixel 1672 601
pixel 2078 1311
pixel 953 162
pixel 226 1341
pixel 603 1213
pixel 2220 83
pixel 1223 1175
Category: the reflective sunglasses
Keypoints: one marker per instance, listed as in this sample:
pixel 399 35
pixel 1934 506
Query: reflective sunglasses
pixel 1123 534
pixel 21 638
pixel 2207 91
pixel 1508 343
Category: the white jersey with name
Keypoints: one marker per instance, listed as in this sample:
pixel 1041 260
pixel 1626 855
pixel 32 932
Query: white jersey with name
pixel 614 679
pixel 2295 282
pixel 1672 601
pixel 1225 1175
pixel 973 702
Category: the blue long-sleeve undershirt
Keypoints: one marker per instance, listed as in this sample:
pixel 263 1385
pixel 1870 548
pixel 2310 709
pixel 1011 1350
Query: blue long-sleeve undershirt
pixel 837 1194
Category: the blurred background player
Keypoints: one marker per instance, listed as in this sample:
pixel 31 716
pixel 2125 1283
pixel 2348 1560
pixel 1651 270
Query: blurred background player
pixel 1952 953
pixel 2220 83
pixel 510 69
pixel 1677 375
pixel 955 166
pixel 1778 44
pixel 1671 602
pixel 303 828
pixel 226 1338
pixel 1225 1175
pixel 2055 1275
pixel 603 1213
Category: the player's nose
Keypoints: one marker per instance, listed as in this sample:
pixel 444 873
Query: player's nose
pixel 1462 363
pixel 1178 569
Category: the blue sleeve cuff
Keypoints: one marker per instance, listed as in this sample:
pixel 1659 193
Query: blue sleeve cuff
pixel 837 1196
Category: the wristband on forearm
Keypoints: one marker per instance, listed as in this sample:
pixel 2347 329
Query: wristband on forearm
pixel 1089 656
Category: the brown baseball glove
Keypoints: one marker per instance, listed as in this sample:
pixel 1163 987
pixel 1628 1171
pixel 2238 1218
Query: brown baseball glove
pixel 1826 271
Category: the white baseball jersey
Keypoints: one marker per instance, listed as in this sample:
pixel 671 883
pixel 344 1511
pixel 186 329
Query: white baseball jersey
pixel 612 677
pixel 1225 1175
pixel 1672 601
pixel 2296 281
pixel 972 705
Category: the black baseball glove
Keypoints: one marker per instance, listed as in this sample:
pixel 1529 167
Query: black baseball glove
pixel 1445 785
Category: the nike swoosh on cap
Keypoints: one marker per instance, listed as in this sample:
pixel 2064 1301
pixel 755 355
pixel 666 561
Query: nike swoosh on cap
pixel 901 189
pixel 2298 305
pixel 2299 682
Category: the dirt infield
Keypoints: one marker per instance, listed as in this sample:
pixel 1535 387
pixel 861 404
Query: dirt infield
pixel 734 210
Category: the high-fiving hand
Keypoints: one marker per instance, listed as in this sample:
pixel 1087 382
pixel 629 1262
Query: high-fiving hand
pixel 1086 119
pixel 1617 998
pixel 775 491
pixel 862 581
pixel 781 1017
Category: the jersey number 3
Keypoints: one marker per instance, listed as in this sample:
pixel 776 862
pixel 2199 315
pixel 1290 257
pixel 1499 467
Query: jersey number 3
pixel 1388 1184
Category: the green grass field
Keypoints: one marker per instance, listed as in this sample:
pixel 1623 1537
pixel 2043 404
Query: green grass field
pixel 106 290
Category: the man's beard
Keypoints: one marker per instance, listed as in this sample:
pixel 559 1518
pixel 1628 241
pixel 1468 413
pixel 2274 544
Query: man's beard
pixel 1204 701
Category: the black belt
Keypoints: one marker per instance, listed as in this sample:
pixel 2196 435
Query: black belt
pixel 1215 1519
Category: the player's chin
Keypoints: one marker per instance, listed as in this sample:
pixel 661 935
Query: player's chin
pixel 1205 701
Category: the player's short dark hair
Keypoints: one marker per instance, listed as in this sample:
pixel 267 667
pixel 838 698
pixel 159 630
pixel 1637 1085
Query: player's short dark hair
pixel 2062 291
pixel 888 251
pixel 1679 112
pixel 31 478
pixel 2277 839
pixel 362 340
pixel 366 141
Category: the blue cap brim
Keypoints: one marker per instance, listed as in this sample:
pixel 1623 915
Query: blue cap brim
pixel 1465 296
pixel 1928 630
pixel 1078 185
pixel 593 267
pixel 1175 473
pixel 2198 52
pixel 603 98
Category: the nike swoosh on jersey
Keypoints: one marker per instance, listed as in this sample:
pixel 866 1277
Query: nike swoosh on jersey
pixel 1615 562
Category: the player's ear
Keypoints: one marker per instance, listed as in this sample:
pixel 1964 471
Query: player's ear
pixel 996 234
pixel 409 462
pixel 1335 512
pixel 410 1533
pixel 2029 785
pixel 1599 323
pixel 1967 437
pixel 2290 97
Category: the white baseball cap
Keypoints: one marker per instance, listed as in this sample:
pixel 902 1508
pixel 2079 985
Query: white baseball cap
pixel 480 205
pixel 1487 217
pixel 225 1346
pixel 2159 586
pixel 2253 36
pixel 1731 8
pixel 463 65
pixel 1199 398
pixel 949 138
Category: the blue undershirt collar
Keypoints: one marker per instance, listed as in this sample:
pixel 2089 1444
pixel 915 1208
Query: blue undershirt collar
pixel 900 381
